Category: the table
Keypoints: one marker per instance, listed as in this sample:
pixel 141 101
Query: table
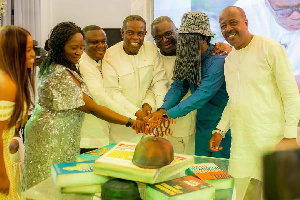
pixel 46 190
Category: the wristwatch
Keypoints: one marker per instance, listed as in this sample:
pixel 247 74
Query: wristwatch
pixel 219 131
pixel 128 123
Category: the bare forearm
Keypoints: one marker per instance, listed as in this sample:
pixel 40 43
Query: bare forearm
pixel 109 115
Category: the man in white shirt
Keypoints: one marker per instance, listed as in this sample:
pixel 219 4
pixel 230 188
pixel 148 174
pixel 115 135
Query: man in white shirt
pixel 163 31
pixel 279 20
pixel 264 105
pixel 94 131
pixel 133 75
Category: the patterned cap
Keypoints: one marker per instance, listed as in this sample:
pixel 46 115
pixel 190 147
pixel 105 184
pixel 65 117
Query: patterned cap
pixel 195 22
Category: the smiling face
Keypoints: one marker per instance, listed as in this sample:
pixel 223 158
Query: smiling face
pixel 95 44
pixel 133 35
pixel 165 37
pixel 30 53
pixel 286 13
pixel 74 48
pixel 234 27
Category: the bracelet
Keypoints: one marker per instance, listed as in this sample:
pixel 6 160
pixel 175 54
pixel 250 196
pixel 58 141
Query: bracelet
pixel 128 123
pixel 158 109
pixel 218 131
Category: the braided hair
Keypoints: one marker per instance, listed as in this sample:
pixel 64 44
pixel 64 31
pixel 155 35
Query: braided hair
pixel 59 36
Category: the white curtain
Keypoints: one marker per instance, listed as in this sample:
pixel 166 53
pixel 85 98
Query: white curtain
pixel 144 8
pixel 6 20
pixel 27 13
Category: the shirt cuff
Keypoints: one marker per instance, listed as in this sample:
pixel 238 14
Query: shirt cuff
pixel 173 112
pixel 223 126
pixel 290 132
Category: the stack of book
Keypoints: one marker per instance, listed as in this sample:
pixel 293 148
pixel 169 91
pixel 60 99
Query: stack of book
pixel 94 154
pixel 117 162
pixel 212 174
pixel 202 181
pixel 187 187
pixel 77 177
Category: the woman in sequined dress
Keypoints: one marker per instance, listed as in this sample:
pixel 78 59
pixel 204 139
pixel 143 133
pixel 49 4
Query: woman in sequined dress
pixel 53 131
pixel 16 78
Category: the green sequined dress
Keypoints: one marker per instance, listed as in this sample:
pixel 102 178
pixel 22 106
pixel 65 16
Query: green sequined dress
pixel 52 134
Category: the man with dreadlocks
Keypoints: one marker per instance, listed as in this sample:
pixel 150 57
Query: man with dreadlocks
pixel 203 73
pixel 165 36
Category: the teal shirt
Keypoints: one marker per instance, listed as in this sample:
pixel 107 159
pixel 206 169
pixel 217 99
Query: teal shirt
pixel 210 99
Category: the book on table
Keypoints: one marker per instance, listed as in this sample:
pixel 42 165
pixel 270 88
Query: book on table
pixel 187 187
pixel 94 154
pixel 117 162
pixel 75 174
pixel 82 189
pixel 212 174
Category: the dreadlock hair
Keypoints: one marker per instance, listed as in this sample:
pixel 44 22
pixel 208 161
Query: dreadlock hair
pixel 59 36
pixel 13 41
pixel 188 58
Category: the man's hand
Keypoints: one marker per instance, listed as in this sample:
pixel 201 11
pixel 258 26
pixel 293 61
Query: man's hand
pixel 140 115
pixel 221 47
pixel 138 126
pixel 286 144
pixel 214 143
pixel 146 108
pixel 156 115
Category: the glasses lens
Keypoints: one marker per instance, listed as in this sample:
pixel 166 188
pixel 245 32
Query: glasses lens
pixel 158 38
pixel 284 12
pixel 168 35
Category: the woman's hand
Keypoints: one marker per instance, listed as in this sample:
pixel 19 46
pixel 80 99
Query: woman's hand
pixel 138 126
pixel 4 183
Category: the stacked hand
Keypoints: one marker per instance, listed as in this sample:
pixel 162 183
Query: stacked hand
pixel 146 110
pixel 157 123
pixel 153 117
pixel 138 126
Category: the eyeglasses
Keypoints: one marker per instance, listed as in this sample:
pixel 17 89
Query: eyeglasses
pixel 285 12
pixel 167 35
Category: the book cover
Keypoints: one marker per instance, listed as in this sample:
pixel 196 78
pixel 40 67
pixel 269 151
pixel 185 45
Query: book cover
pixel 187 187
pixel 118 163
pixel 75 174
pixel 212 174
pixel 94 154
pixel 83 189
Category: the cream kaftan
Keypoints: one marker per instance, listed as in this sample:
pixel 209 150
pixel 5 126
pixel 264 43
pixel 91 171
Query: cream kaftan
pixel 263 104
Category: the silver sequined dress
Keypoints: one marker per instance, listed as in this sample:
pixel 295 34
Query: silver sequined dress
pixel 52 135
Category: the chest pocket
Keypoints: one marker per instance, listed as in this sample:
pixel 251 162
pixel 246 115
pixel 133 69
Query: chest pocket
pixel 146 72
pixel 126 74
pixel 133 75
